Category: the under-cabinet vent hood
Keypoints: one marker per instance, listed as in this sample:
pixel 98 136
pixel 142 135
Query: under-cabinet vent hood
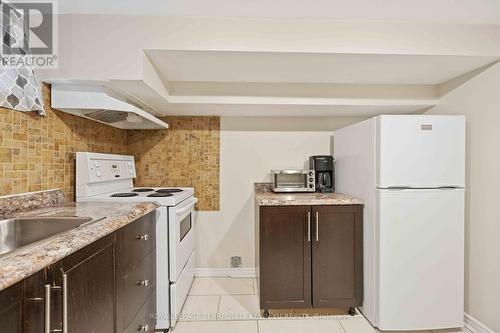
pixel 94 102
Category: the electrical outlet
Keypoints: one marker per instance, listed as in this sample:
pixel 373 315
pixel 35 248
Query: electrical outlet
pixel 236 262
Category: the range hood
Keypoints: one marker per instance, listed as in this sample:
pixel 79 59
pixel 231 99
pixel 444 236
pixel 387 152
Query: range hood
pixel 96 103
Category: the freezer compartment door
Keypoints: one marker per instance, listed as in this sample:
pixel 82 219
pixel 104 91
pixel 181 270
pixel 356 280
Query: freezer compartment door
pixel 421 259
pixel 420 151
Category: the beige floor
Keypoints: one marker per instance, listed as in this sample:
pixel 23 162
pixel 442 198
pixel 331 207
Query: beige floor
pixel 230 305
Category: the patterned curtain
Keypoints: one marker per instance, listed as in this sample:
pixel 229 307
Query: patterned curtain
pixel 19 88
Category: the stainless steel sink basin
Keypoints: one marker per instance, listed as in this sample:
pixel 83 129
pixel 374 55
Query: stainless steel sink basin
pixel 21 231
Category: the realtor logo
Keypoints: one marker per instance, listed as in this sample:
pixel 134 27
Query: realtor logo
pixel 29 33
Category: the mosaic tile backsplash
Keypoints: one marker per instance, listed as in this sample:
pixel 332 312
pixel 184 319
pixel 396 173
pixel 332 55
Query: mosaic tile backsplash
pixel 187 154
pixel 37 152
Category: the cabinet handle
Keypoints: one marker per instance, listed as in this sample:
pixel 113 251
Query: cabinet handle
pixel 65 303
pixel 309 226
pixel 47 308
pixel 143 283
pixel 143 328
pixel 143 237
pixel 317 226
pixel 47 300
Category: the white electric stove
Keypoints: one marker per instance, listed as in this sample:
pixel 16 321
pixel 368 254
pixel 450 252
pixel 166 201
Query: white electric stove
pixel 108 177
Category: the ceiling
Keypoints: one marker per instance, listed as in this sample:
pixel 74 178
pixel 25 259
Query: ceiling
pixel 140 94
pixel 231 66
pixel 264 67
pixel 236 83
pixel 294 104
pixel 259 110
pixel 435 11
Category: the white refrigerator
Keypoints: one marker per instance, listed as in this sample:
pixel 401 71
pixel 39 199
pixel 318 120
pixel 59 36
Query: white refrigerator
pixel 410 172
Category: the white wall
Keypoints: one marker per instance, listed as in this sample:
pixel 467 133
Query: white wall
pixel 250 148
pixel 479 100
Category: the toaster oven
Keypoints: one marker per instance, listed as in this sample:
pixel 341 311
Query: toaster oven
pixel 293 180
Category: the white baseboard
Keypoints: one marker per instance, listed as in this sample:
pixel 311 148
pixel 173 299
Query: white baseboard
pixel 225 272
pixel 474 325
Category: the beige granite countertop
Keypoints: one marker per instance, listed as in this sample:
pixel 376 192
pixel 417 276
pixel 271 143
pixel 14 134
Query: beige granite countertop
pixel 25 261
pixel 264 196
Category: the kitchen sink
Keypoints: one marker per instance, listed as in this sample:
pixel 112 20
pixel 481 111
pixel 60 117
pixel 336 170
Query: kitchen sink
pixel 21 231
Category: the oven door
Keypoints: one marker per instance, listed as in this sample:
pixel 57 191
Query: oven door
pixel 181 235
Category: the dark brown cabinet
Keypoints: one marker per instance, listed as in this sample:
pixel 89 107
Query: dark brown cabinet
pixel 286 256
pixel 76 293
pixel 36 289
pixel 337 254
pixel 11 309
pixel 34 302
pixel 88 282
pixel 310 256
pixel 22 306
pixel 101 288
pixel 136 277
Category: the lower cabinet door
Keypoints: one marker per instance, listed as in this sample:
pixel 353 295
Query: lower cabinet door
pixel 337 256
pixel 89 290
pixel 11 300
pixel 285 257
pixel 35 303
pixel 42 298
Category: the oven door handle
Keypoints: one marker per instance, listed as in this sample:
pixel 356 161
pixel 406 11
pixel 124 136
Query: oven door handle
pixel 180 211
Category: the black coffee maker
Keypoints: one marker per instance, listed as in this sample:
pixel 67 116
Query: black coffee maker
pixel 324 168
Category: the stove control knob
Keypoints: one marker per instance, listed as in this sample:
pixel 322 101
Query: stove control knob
pixel 98 173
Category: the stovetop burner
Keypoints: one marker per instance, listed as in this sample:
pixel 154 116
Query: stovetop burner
pixel 122 195
pixel 142 190
pixel 160 194
pixel 169 190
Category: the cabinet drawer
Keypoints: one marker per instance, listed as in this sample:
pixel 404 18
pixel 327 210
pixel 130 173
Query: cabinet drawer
pixel 136 289
pixel 144 321
pixel 138 240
